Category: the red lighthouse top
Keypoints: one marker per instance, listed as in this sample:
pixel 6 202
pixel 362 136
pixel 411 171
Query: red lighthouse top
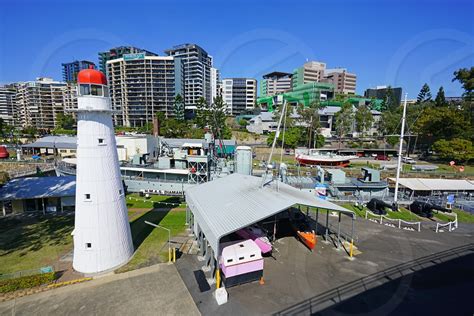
pixel 91 76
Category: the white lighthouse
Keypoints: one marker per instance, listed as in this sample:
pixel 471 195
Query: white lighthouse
pixel 102 238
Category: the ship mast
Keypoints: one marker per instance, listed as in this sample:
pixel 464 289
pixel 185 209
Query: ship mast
pixel 399 165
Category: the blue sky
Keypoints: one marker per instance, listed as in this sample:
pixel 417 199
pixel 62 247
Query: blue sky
pixel 401 43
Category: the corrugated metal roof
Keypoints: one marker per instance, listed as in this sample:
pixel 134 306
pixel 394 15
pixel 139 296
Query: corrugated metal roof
pixel 38 187
pixel 60 142
pixel 422 184
pixel 225 205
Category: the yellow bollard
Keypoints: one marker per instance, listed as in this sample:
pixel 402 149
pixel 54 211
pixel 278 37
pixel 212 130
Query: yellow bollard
pixel 351 248
pixel 218 278
pixel 169 254
pixel 174 254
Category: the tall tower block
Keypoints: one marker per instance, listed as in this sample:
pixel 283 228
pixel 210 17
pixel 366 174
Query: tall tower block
pixel 102 238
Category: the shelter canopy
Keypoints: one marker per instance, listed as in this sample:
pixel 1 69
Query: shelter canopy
pixel 225 205
pixel 422 184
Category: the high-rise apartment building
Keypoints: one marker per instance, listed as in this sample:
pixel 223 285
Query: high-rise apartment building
pixel 215 84
pixel 38 102
pixel 70 70
pixel 312 71
pixel 275 83
pixel 118 52
pixel 141 85
pixel 344 82
pixel 240 94
pixel 7 104
pixel 197 65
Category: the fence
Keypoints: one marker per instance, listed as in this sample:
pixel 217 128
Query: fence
pixel 451 225
pixel 391 220
pixel 23 273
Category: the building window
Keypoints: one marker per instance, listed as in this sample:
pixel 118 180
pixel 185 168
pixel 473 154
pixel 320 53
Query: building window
pixel 120 192
pixel 241 258
pixel 84 89
pixel 96 90
pixel 101 141
pixel 88 245
pixel 87 196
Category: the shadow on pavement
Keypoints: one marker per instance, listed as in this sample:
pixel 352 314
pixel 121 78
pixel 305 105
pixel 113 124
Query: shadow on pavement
pixel 440 283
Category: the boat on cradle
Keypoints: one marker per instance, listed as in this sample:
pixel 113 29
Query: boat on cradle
pixel 258 236
pixel 241 262
pixel 322 158
pixel 303 230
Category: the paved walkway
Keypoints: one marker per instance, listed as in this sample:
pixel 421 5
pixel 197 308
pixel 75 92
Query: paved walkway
pixel 156 290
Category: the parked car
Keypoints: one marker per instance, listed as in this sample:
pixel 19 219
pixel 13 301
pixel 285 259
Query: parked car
pixel 408 160
pixel 382 157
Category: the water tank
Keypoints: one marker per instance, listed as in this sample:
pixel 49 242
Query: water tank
pixel 243 160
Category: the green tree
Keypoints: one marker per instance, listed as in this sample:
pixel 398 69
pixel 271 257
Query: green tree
pixel 364 119
pixel 309 117
pixel 2 127
pixel 440 99
pixel 456 149
pixel 389 103
pixel 465 76
pixel 424 95
pixel 65 121
pixel 31 131
pixel 179 107
pixel 344 120
pixel 443 123
pixel 213 116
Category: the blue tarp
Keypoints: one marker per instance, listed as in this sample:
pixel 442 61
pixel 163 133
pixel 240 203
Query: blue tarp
pixel 38 187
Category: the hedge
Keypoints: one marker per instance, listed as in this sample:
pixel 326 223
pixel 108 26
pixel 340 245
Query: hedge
pixel 25 282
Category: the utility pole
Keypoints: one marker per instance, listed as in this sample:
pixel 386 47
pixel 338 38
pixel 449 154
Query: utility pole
pixel 399 165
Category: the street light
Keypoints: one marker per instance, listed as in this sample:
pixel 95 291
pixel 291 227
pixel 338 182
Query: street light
pixel 169 237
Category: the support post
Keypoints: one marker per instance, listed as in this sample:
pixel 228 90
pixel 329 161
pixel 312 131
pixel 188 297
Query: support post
pixel 327 226
pixel 317 215
pixel 339 231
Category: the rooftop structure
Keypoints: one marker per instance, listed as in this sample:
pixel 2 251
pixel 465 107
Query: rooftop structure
pixel 118 52
pixel 38 187
pixel 312 71
pixel 344 82
pixel 275 83
pixel 226 205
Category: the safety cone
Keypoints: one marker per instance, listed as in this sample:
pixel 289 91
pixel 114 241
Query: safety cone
pixel 262 281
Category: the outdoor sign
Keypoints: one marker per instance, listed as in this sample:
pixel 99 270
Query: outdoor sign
pixel 320 190
pixel 135 56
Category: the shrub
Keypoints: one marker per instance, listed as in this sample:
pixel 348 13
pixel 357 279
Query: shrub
pixel 26 282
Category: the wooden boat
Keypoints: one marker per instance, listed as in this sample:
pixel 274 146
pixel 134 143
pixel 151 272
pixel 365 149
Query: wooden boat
pixel 303 231
pixel 256 234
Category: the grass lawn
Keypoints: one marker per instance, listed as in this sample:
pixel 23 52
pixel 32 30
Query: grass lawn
pixel 151 242
pixel 33 242
pixel 463 217
pixel 154 201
